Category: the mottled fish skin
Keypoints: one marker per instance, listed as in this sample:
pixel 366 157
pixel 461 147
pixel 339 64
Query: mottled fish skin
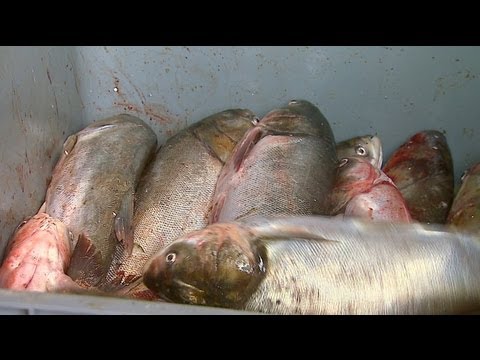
pixel 92 191
pixel 363 190
pixel 367 146
pixel 175 192
pixel 284 165
pixel 319 265
pixel 464 214
pixel 37 256
pixel 422 169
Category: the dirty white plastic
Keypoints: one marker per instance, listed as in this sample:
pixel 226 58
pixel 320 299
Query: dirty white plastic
pixel 47 93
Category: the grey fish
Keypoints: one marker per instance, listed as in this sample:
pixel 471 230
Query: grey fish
pixel 92 191
pixel 321 265
pixel 284 165
pixel 175 192
pixel 367 146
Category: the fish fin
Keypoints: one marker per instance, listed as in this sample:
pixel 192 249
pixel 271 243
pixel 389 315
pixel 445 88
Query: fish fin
pixel 64 284
pixel 121 283
pixel 338 203
pixel 124 289
pixel 244 147
pixel 42 208
pixel 300 227
pixel 69 144
pixel 124 224
pixel 217 208
pixel 233 165
pixel 85 263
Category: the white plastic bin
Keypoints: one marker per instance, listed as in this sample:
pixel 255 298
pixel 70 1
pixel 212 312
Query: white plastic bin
pixel 47 93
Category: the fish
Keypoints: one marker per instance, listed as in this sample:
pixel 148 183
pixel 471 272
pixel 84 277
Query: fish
pixel 466 204
pixel 175 192
pixel 92 192
pixel 363 190
pixel 422 169
pixel 321 265
pixel 285 164
pixel 37 256
pixel 367 146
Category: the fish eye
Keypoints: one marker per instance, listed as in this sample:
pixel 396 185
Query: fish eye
pixel 292 102
pixel 170 258
pixel 255 120
pixel 360 150
pixel 343 162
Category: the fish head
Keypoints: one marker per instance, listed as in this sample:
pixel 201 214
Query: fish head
pixel 39 248
pixel 299 117
pixel 221 132
pixel 356 169
pixel 368 147
pixel 215 266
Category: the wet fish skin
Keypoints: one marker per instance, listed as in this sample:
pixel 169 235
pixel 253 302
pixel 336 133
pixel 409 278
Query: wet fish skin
pixel 464 215
pixel 366 146
pixel 283 165
pixel 422 169
pixel 37 256
pixel 175 192
pixel 321 265
pixel 363 190
pixel 92 191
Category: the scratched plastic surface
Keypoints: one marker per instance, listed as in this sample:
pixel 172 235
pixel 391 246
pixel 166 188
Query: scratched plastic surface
pixel 47 93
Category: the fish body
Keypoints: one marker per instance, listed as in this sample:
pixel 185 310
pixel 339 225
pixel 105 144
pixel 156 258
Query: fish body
pixel 422 169
pixel 92 191
pixel 175 193
pixel 321 265
pixel 284 165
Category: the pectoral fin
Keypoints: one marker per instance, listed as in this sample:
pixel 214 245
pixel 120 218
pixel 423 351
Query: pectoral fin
pixel 299 227
pixel 42 208
pixel 86 262
pixel 124 225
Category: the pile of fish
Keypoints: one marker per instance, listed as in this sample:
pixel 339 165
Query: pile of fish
pixel 262 214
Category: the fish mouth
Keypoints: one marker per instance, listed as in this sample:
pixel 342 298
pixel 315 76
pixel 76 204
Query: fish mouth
pixel 189 293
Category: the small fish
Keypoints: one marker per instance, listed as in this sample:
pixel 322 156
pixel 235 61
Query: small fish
pixel 321 265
